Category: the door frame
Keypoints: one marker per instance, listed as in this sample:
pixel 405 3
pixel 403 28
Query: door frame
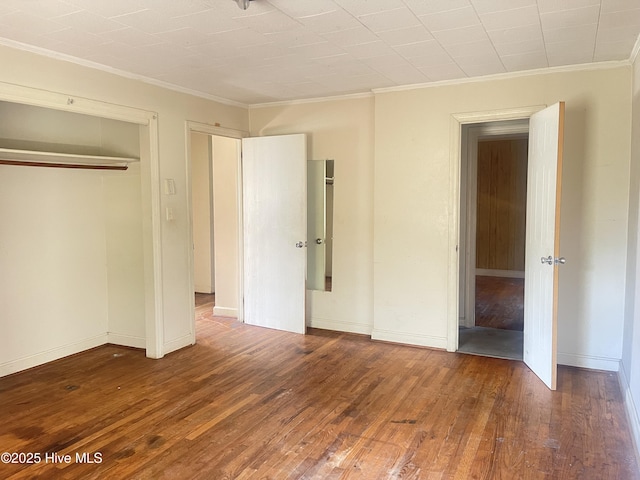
pixel 469 173
pixel 213 130
pixel 459 152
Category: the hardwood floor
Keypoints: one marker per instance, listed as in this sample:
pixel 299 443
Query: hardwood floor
pixel 499 302
pixel 204 298
pixel 248 402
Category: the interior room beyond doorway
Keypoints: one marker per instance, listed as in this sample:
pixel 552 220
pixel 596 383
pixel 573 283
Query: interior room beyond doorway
pixel 214 162
pixel 495 175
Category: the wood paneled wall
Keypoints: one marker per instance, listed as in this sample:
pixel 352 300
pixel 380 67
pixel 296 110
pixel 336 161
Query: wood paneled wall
pixel 501 204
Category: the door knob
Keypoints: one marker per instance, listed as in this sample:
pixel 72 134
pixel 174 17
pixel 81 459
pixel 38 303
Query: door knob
pixel 550 260
pixel 301 244
pixel 319 241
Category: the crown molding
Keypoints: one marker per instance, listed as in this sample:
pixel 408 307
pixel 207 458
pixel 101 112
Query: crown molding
pixel 417 86
pixel 349 96
pixel 115 71
pixel 460 81
pixel 509 75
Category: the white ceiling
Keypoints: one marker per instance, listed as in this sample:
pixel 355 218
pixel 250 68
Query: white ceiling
pixel 281 50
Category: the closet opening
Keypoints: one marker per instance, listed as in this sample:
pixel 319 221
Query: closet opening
pixel 80 227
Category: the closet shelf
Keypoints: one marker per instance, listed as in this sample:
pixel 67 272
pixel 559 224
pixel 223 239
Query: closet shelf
pixel 10 156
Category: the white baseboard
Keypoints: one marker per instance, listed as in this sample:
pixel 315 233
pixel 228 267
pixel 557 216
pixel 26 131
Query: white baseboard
pixel 225 311
pixel 631 408
pixel 485 272
pixel 591 362
pixel 41 358
pixel 126 340
pixel 178 343
pixel 339 326
pixel 409 338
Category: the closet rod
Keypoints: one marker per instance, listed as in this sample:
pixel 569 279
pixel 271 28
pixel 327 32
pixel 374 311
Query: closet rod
pixel 62 165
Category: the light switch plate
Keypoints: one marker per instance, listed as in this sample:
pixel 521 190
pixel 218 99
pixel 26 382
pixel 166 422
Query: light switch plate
pixel 169 186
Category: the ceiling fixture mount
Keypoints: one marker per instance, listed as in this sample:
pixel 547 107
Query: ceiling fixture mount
pixel 243 4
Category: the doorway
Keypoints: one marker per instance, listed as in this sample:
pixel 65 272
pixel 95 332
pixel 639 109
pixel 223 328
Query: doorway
pixel 492 224
pixel 255 205
pixel 215 196
pixel 203 224
pixel 542 248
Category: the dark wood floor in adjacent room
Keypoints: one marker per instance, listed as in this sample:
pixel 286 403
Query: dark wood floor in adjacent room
pixel 500 302
pixel 248 402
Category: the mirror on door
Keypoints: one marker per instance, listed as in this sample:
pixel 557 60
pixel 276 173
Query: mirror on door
pixel 320 175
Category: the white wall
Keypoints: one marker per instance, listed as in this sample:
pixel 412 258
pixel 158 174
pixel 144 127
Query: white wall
pixel 201 191
pixel 341 130
pixel 226 157
pixel 413 206
pixel 53 287
pixel 124 257
pixel 173 109
pixel 630 365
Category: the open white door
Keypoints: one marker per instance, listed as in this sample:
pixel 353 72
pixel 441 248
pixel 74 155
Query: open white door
pixel 274 173
pixel 542 247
